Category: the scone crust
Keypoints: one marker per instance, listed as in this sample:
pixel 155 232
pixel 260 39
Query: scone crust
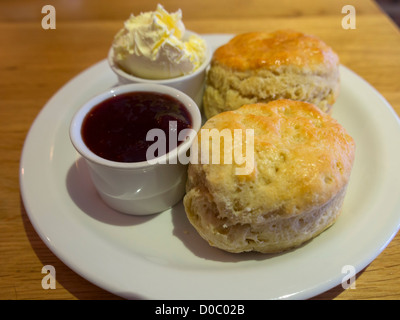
pixel 255 50
pixel 261 67
pixel 302 163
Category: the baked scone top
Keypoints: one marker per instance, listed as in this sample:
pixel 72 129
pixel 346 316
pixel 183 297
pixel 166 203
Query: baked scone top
pixel 302 159
pixel 256 50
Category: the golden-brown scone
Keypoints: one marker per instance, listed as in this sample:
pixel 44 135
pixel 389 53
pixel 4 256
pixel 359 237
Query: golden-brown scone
pixel 302 163
pixel 261 67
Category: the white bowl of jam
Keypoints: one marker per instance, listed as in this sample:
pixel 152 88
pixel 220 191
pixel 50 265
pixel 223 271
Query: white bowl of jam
pixel 135 140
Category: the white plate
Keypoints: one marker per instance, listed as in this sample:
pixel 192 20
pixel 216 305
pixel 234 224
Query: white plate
pixel 162 256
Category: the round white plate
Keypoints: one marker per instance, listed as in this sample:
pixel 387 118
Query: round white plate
pixel 162 256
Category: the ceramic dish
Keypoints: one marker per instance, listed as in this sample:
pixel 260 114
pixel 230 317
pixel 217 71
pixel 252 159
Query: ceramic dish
pixel 162 256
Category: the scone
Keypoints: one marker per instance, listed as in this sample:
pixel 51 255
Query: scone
pixel 261 67
pixel 301 167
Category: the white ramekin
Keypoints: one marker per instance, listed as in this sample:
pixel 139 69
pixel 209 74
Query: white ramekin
pixel 138 188
pixel 191 84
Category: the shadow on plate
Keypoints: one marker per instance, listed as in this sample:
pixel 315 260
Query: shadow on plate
pixel 84 195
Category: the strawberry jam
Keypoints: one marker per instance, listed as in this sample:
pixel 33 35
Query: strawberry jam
pixel 116 128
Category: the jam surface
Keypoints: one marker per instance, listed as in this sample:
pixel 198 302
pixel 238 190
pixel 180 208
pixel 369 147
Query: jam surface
pixel 116 129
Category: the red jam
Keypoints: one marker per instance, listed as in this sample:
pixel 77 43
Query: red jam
pixel 116 129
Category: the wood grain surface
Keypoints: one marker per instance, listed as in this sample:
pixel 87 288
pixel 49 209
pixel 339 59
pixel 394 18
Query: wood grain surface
pixel 35 63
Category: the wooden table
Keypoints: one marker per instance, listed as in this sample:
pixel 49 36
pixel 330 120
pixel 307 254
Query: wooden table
pixel 35 63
